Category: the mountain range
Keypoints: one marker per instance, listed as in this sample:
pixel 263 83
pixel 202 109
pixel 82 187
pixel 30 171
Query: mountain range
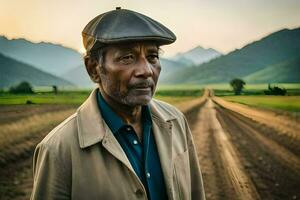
pixel 262 61
pixel 272 59
pixel 52 58
pixel 16 72
pixel 288 71
pixel 196 56
pixel 67 63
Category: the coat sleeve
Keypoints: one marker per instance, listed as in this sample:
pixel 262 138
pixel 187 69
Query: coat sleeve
pixel 195 171
pixel 50 176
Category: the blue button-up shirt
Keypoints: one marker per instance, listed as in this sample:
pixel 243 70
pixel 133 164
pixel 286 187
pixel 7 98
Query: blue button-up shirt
pixel 143 156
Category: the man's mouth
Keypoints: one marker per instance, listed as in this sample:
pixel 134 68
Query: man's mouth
pixel 143 88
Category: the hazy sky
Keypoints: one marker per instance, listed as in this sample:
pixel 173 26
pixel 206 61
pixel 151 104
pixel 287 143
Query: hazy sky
pixel 220 24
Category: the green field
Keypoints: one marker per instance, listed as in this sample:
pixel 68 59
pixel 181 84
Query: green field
pixel 257 89
pixel 71 97
pixel 253 95
pixel 77 97
pixel 226 86
pixel 287 103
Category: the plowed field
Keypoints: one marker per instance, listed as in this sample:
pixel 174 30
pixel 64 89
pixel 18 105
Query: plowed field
pixel 244 152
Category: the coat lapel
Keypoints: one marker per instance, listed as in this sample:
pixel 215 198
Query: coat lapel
pixel 111 144
pixel 93 129
pixel 163 139
pixel 162 130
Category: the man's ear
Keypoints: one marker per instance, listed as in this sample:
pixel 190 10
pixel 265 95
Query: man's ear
pixel 92 67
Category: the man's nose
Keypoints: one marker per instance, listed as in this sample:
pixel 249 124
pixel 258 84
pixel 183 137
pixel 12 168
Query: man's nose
pixel 144 68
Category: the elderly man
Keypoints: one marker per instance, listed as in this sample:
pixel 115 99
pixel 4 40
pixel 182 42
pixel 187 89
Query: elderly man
pixel 121 143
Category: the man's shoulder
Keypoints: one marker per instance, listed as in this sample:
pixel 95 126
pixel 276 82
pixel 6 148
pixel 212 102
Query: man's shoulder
pixel 62 134
pixel 166 108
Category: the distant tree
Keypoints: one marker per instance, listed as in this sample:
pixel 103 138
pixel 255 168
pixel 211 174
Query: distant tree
pixel 55 89
pixel 275 90
pixel 29 102
pixel 23 87
pixel 237 85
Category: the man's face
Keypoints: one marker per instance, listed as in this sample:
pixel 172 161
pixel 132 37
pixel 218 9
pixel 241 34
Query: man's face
pixel 130 73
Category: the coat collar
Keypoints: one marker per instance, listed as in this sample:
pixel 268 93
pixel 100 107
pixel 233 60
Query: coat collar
pixel 92 128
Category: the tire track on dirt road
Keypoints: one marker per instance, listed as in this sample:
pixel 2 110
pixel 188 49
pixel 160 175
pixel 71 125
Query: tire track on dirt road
pixel 283 155
pixel 223 174
pixel 270 147
pixel 273 169
pixel 270 128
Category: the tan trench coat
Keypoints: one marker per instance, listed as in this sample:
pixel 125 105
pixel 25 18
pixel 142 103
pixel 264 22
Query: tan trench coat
pixel 81 159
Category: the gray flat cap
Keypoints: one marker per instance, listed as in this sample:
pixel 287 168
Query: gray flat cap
pixel 123 25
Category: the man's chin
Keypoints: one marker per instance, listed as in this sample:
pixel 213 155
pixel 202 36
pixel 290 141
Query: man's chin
pixel 139 100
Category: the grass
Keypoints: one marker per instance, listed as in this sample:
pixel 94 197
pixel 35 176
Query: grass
pixel 226 86
pixel 66 97
pixel 77 97
pixel 170 93
pixel 247 92
pixel 253 95
pixel 287 103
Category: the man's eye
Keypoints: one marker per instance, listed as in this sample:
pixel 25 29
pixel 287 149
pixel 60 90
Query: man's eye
pixel 127 59
pixel 153 58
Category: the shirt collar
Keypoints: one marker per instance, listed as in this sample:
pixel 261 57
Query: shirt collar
pixel 115 122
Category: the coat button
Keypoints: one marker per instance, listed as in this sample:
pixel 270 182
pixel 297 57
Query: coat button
pixel 139 193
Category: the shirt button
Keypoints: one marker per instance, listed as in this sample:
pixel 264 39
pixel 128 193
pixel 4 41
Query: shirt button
pixel 139 193
pixel 135 142
pixel 148 175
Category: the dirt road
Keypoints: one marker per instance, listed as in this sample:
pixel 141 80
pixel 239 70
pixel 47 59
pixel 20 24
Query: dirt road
pixel 243 159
